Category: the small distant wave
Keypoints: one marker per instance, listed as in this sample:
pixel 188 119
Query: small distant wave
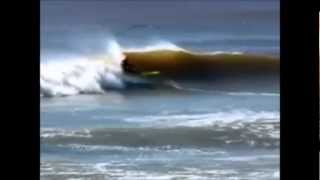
pixel 51 133
pixel 239 127
pixel 252 94
pixel 168 149
pixel 258 130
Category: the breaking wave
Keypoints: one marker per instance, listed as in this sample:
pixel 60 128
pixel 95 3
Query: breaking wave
pixel 99 74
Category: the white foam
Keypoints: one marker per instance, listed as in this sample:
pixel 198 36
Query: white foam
pixel 209 119
pixel 252 94
pixel 249 158
pixel 225 52
pixel 145 149
pixel 276 174
pixel 166 45
pixel 72 76
pixel 89 148
pixel 52 132
pixel 110 170
pixel 160 45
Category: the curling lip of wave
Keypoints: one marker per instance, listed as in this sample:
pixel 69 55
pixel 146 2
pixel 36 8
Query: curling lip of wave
pixel 168 46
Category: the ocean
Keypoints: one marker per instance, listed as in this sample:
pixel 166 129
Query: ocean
pixel 200 99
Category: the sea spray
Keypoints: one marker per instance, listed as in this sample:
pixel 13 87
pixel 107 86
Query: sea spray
pixel 82 75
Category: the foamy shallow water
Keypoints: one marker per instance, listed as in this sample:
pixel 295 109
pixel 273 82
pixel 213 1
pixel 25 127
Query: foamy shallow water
pixel 145 136
pixel 168 164
pixel 144 167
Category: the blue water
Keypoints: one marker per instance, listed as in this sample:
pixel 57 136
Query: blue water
pixel 82 26
pixel 198 131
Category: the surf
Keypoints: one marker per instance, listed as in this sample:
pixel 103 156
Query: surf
pixel 161 65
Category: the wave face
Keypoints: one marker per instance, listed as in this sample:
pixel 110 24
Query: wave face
pixel 214 65
pixel 99 74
